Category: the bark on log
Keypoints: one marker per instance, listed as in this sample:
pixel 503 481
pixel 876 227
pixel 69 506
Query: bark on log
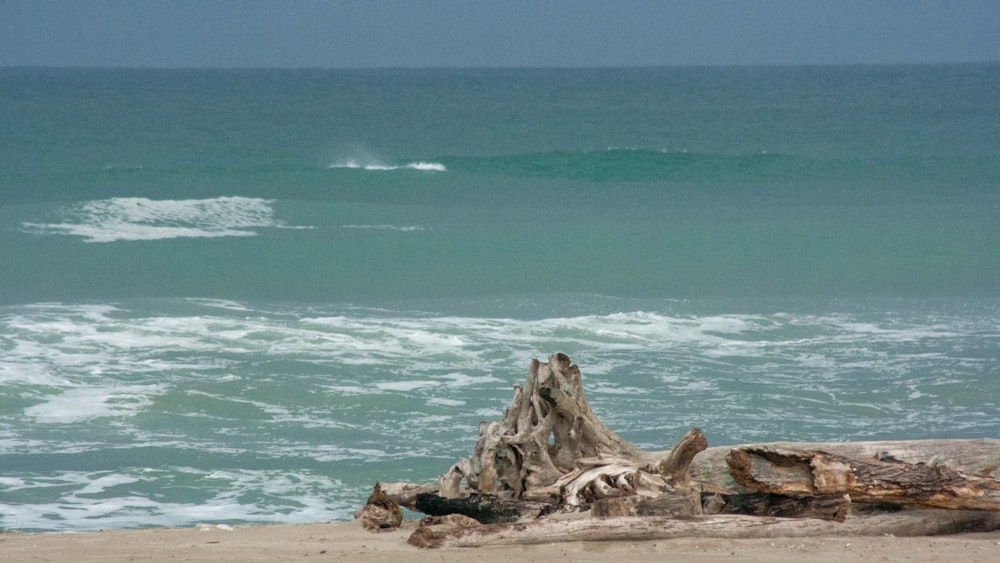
pixel 485 509
pixel 979 456
pixel 672 505
pixel 806 473
pixel 636 528
pixel 825 507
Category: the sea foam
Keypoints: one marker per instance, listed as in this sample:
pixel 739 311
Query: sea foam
pixel 373 165
pixel 79 404
pixel 143 219
pixel 285 394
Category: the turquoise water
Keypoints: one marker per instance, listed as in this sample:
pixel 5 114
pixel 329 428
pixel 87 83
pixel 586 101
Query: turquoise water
pixel 243 296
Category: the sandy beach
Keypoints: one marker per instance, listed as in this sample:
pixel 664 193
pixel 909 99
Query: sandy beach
pixel 350 542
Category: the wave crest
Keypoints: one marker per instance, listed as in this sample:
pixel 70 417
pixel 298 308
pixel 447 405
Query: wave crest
pixel 379 166
pixel 636 164
pixel 386 227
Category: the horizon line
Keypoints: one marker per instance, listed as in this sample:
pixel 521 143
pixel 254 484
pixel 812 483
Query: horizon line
pixel 500 67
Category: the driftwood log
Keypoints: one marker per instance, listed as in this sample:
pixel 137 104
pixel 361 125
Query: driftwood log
pixel 824 507
pixel 638 528
pixel 977 456
pixel 801 473
pixel 550 454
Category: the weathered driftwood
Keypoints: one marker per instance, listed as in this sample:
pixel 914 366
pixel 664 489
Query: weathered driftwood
pixel 405 494
pixel 826 507
pixel 485 509
pixel 550 448
pixel 380 512
pixel 806 473
pixel 607 477
pixel 635 528
pixel 976 456
pixel 550 441
pixel 672 505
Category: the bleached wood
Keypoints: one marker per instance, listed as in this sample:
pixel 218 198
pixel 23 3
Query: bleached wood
pixel 637 528
pixel 549 432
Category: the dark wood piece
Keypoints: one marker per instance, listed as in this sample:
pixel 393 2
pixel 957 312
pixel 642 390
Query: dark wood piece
pixel 485 509
pixel 824 507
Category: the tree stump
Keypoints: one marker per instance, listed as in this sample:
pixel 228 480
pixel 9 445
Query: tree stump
pixel 550 447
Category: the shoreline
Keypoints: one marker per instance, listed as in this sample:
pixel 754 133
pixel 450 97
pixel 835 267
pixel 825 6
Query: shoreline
pixel 340 541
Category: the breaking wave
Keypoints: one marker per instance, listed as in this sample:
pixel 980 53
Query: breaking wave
pixel 375 166
pixel 143 219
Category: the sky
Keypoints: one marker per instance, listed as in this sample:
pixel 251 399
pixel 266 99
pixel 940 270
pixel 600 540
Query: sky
pixel 485 33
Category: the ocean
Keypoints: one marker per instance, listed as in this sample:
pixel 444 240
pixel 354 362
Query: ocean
pixel 243 296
